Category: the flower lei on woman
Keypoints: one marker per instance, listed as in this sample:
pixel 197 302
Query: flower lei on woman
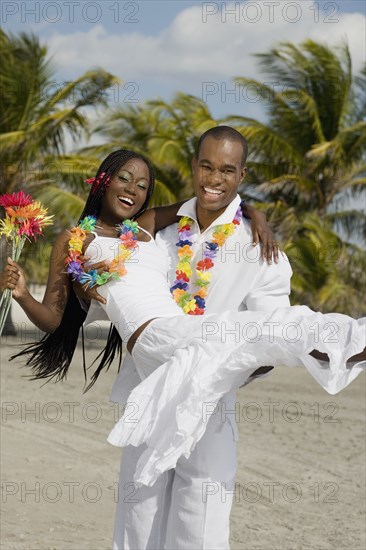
pixel 195 303
pixel 126 231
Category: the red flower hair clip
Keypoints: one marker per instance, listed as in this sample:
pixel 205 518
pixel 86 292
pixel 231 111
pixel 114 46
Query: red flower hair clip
pixel 98 181
pixel 89 181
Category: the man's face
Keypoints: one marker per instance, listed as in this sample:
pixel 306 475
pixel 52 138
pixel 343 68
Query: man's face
pixel 217 173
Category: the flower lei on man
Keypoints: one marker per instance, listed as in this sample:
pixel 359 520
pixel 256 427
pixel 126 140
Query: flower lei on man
pixel 24 220
pixel 126 232
pixel 195 303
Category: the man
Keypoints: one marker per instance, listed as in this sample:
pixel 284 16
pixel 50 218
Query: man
pixel 178 512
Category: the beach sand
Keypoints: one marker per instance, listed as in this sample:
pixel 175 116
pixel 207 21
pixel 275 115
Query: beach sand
pixel 301 462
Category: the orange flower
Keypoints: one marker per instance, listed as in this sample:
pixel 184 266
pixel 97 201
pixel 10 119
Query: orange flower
pixel 178 293
pixel 219 238
pixel 78 233
pixel 202 292
pixel 185 251
pixel 117 266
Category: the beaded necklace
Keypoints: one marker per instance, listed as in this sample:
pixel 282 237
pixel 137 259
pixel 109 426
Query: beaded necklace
pixel 195 303
pixel 126 231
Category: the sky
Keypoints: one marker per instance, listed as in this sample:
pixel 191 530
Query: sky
pixel 160 47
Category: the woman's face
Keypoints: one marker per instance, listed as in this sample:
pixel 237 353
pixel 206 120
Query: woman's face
pixel 127 191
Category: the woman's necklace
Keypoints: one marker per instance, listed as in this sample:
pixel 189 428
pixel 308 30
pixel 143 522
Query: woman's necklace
pixel 126 232
pixel 195 303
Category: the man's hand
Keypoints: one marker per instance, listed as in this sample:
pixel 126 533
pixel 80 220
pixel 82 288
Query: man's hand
pixel 86 293
pixel 263 233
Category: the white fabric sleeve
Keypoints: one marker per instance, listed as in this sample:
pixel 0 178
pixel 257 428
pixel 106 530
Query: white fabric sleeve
pixel 167 237
pixel 95 313
pixel 161 239
pixel 272 286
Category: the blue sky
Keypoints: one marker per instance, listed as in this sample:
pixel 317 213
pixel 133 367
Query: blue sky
pixel 152 15
pixel 160 47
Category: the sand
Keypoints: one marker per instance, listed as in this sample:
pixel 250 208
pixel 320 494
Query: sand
pixel 301 474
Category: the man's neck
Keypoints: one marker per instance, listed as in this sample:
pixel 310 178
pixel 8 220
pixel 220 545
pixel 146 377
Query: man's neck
pixel 206 217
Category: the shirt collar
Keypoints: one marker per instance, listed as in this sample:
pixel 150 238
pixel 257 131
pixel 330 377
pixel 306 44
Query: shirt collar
pixel 189 209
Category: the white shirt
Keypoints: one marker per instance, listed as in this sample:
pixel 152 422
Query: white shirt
pixel 240 279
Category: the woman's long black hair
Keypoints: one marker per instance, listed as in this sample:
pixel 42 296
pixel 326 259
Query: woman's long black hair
pixel 50 358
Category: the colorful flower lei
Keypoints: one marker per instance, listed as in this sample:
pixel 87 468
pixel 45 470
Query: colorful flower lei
pixel 126 231
pixel 195 304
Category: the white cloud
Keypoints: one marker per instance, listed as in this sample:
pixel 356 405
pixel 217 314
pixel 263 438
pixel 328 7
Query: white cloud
pixel 194 50
pixel 190 53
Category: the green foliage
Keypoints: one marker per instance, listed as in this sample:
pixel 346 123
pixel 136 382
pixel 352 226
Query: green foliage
pixel 305 165
pixel 167 133
pixel 37 113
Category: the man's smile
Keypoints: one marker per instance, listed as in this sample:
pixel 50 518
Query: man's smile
pixel 212 193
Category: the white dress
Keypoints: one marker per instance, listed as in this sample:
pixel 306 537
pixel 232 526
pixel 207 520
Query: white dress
pixel 188 363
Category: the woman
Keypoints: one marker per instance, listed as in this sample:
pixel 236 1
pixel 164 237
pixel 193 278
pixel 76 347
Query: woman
pixel 60 314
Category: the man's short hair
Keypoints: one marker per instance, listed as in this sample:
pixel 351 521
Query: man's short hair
pixel 225 132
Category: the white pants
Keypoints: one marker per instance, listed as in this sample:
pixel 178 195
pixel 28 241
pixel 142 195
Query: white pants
pixel 172 401
pixel 176 509
pixel 186 508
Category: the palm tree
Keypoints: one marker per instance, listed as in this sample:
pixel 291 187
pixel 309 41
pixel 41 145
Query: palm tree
pixel 328 273
pixel 312 146
pixel 308 159
pixel 37 115
pixel 167 133
pixel 304 162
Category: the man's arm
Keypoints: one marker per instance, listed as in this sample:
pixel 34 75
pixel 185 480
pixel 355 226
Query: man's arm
pixel 160 217
pixel 272 286
pixel 270 290
pixel 157 218
pixel 261 232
